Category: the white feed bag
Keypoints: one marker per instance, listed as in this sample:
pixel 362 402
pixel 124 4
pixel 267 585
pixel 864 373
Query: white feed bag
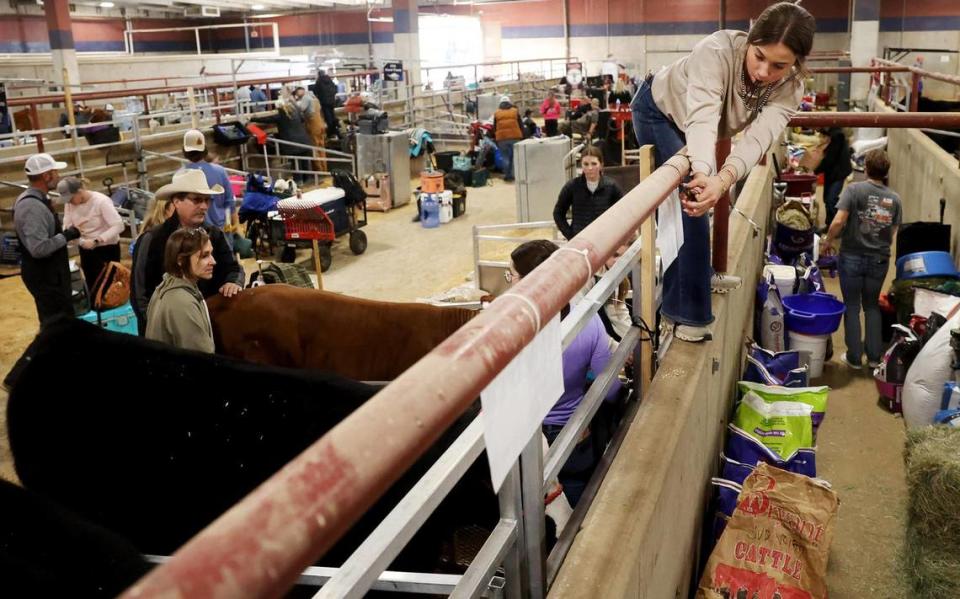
pixel 923 388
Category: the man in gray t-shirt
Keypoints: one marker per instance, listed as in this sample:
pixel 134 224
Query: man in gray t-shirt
pixel 868 215
pixel 874 213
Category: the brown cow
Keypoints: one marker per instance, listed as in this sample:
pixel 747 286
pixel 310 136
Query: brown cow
pixel 361 339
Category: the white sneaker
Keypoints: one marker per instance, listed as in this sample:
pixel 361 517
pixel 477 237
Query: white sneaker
pixel 692 334
pixel 846 360
pixel 724 283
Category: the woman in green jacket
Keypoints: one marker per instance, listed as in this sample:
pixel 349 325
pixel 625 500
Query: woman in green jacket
pixel 177 313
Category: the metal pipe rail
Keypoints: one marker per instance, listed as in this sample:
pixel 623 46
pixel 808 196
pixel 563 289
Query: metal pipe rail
pixel 955 79
pixel 876 119
pixel 259 547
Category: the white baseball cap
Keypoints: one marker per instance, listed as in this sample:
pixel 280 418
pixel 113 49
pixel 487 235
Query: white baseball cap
pixel 194 141
pixel 42 163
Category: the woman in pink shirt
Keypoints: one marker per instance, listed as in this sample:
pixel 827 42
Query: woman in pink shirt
pixel 551 111
pixel 99 223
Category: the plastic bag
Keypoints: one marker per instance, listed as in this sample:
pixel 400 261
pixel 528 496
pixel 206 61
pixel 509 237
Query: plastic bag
pixel 770 322
pixel 783 427
pixel 815 397
pixel 774 368
pixel 923 386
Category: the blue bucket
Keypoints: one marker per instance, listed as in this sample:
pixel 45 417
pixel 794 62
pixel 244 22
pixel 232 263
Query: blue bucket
pixel 926 264
pixel 812 313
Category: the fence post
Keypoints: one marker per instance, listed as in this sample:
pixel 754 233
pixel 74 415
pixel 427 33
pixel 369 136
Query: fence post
pixel 71 118
pixel 645 295
pixel 721 215
pixel 533 559
pixel 915 92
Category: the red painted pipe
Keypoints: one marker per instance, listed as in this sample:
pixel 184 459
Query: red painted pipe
pixel 721 215
pixel 878 69
pixel 895 120
pixel 260 546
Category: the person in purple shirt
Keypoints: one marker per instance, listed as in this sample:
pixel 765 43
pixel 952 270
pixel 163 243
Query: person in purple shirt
pixel 585 358
pixel 195 150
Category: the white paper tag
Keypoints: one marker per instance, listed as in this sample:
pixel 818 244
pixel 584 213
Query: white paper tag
pixel 669 229
pixel 516 402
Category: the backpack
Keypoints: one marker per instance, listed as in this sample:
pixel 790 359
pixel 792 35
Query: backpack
pixel 290 274
pixel 353 191
pixel 112 287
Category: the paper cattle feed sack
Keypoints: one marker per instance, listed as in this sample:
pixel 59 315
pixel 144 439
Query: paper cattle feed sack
pixel 777 543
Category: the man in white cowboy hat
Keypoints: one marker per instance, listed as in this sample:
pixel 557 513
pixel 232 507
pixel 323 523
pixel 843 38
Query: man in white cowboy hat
pixel 44 264
pixel 191 197
pixel 195 150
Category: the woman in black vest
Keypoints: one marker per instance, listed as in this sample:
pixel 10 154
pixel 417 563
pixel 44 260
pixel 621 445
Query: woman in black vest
pixel 589 195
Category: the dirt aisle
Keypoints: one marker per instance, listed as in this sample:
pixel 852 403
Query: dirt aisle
pixel 860 452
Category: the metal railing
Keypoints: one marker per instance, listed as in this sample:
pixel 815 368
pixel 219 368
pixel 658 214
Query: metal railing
pixel 271 25
pixel 338 478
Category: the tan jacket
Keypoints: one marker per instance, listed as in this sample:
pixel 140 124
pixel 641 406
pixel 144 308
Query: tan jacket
pixel 507 124
pixel 699 94
pixel 177 315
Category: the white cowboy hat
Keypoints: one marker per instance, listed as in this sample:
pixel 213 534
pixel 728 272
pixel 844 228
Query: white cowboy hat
pixel 189 180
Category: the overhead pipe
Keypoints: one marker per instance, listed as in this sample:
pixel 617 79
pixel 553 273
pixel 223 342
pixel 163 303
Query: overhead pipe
pixel 259 547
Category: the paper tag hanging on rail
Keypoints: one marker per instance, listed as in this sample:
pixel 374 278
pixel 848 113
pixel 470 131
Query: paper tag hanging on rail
pixel 516 402
pixel 669 229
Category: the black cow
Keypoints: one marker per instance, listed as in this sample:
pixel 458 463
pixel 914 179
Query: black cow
pixel 154 443
pixel 46 551
pixel 949 143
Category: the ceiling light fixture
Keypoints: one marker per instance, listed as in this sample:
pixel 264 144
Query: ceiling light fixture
pixel 257 7
pixel 106 5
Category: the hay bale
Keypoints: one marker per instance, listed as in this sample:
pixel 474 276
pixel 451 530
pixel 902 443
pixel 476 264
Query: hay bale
pixel 932 548
pixel 932 573
pixel 933 482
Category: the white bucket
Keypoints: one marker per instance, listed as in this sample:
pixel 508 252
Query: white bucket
pixel 784 277
pixel 815 345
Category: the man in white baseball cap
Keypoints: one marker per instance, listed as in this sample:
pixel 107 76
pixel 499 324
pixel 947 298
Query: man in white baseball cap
pixel 191 196
pixel 221 204
pixel 44 264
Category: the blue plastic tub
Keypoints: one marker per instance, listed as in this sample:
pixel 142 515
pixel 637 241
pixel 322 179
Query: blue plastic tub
pixel 118 320
pixel 926 264
pixel 812 313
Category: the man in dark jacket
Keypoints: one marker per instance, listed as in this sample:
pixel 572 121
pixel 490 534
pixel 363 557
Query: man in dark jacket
pixel 326 91
pixel 835 167
pixel 590 195
pixel 44 265
pixel 191 198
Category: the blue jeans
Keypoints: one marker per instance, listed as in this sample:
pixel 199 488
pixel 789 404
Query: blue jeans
pixel 686 284
pixel 831 195
pixel 861 280
pixel 506 151
pixel 578 469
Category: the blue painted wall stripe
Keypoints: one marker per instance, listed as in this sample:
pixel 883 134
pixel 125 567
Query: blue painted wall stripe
pixel 652 28
pixel 943 23
pixel 100 46
pixel 61 39
pixel 402 22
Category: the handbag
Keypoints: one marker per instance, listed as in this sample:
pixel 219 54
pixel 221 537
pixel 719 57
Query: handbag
pixel 112 287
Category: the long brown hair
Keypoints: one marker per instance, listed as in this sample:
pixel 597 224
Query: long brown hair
pixel 182 244
pixel 786 23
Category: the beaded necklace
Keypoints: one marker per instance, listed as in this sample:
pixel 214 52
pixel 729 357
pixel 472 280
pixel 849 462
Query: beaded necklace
pixel 754 99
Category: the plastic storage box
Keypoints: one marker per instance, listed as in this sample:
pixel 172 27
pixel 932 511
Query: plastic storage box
pixel 118 320
pixel 926 264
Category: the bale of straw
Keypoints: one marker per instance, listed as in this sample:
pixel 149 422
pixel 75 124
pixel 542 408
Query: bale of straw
pixel 931 572
pixel 932 549
pixel 933 484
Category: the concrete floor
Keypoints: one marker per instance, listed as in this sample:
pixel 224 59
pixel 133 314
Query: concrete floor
pixel 860 445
